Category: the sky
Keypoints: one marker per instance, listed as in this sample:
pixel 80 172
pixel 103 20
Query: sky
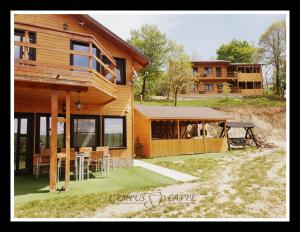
pixel 201 34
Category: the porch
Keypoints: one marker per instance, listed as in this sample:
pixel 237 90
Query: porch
pixel 62 73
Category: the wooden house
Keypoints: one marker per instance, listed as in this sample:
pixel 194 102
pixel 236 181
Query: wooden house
pixel 73 87
pixel 169 130
pixel 243 78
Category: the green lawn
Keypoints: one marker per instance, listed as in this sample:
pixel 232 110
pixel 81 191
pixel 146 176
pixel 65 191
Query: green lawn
pixel 262 101
pixel 200 165
pixel 33 199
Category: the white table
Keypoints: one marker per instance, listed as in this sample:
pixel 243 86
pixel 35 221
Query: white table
pixel 80 159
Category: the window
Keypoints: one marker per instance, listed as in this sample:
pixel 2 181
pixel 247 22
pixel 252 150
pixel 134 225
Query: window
pixel 83 61
pixel 218 71
pixel 208 87
pixel 121 70
pixel 84 131
pixel 19 52
pixel 207 71
pixel 195 70
pixel 43 133
pixel 114 131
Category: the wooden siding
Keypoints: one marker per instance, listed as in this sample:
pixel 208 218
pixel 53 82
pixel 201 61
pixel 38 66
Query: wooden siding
pixel 37 100
pixel 250 77
pixel 169 147
pixel 142 130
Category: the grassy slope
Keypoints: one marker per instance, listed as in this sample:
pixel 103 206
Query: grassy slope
pixel 32 198
pixel 263 101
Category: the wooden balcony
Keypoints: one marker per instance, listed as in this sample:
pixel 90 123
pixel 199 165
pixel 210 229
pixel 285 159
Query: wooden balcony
pixel 51 66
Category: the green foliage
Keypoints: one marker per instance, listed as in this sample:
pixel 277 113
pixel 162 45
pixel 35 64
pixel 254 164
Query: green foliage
pixel 272 50
pixel 153 44
pixel 261 101
pixel 179 69
pixel 237 51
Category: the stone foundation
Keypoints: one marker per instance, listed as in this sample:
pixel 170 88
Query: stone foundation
pixel 121 162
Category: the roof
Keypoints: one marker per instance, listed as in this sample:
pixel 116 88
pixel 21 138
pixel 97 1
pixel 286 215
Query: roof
pixel 240 124
pixel 210 61
pixel 180 112
pixel 246 64
pixel 138 56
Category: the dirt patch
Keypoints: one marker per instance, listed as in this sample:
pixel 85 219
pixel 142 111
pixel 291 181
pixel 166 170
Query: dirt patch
pixel 270 123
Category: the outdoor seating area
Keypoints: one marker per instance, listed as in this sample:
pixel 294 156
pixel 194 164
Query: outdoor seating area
pixel 82 161
pixel 239 140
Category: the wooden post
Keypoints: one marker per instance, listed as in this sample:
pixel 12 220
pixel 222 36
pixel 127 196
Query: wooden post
pixel 178 129
pixel 53 147
pixel 67 170
pixel 226 135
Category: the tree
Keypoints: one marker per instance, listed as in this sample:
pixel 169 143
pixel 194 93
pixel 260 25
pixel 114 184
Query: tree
pixel 153 44
pixel 237 51
pixel 179 70
pixel 226 89
pixel 273 52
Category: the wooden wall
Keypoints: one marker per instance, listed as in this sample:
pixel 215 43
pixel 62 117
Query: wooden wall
pixel 124 92
pixel 142 130
pixel 169 147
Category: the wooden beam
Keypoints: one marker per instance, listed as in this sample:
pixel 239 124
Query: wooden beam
pixel 53 147
pixel 67 169
pixel 61 120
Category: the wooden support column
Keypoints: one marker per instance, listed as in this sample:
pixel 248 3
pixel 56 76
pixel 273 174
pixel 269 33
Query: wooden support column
pixel 226 135
pixel 91 55
pixel 53 147
pixel 178 129
pixel 67 169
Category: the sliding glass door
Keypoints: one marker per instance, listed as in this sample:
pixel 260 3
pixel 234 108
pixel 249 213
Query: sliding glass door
pixel 23 143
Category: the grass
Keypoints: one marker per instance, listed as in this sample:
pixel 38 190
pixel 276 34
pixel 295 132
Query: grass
pixel 33 199
pixel 260 101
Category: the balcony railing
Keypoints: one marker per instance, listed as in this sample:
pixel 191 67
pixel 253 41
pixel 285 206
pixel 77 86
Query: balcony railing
pixel 107 75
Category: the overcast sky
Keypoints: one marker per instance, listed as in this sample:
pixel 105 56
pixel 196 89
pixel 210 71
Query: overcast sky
pixel 201 34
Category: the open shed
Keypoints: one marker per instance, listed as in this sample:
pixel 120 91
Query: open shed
pixel 169 130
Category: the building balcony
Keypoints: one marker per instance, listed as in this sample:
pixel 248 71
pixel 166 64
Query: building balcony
pixel 46 62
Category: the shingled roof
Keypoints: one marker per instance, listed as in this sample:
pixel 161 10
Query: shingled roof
pixel 180 112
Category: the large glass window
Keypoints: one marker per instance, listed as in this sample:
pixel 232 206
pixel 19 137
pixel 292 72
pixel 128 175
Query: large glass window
pixel 114 131
pixel 121 70
pixel 207 71
pixel 44 133
pixel 19 51
pixel 218 71
pixel 85 132
pixel 195 70
pixel 83 61
pixel 208 87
